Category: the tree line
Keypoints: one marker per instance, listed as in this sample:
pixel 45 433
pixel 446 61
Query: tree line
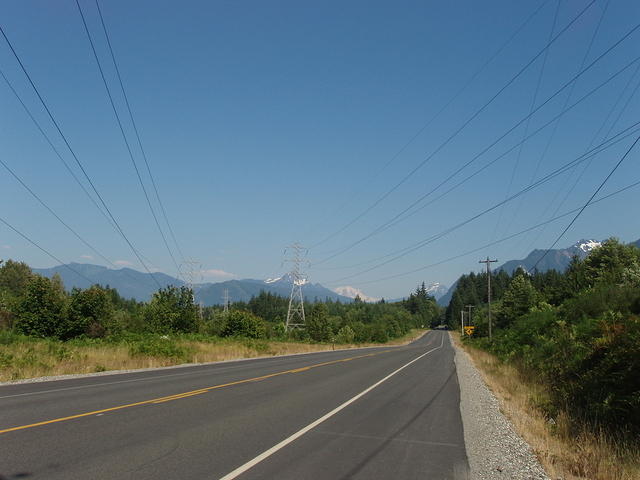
pixel 37 306
pixel 576 332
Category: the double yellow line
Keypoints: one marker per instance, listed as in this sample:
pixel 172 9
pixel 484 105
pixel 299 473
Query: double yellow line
pixel 186 394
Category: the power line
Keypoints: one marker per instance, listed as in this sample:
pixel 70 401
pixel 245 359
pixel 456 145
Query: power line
pixel 441 110
pixel 464 125
pixel 91 282
pixel 431 239
pixel 55 150
pixel 588 155
pixel 135 129
pixel 560 204
pixel 397 220
pixel 586 204
pixel 496 242
pixel 124 136
pixel 77 160
pixel 528 122
pixel 65 224
pixel 555 129
pixel 398 217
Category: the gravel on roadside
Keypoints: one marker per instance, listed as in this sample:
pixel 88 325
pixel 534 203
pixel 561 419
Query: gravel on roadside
pixel 494 449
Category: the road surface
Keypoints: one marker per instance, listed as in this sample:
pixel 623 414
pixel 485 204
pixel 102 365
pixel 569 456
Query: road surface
pixel 380 413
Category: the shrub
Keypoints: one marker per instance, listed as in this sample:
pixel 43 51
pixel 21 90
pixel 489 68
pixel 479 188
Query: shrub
pixel 345 335
pixel 244 324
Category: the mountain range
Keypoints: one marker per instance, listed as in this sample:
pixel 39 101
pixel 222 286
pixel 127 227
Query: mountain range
pixel 141 286
pixel 131 283
pixel 556 259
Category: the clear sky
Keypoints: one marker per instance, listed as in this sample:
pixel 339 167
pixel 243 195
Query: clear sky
pixel 267 123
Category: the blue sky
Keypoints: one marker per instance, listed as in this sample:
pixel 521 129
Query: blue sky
pixel 267 123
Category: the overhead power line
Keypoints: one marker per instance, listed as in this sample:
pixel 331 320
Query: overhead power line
pixel 75 157
pixel 496 242
pixel 586 204
pixel 464 125
pixel 57 217
pixel 555 127
pixel 554 200
pixel 422 243
pixel 135 129
pixel 69 267
pixel 55 150
pixel 531 107
pixel 399 216
pixel 442 109
pixel 124 137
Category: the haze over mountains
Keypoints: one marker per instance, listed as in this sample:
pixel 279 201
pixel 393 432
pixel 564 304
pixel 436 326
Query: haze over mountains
pixel 141 286
pixel 131 283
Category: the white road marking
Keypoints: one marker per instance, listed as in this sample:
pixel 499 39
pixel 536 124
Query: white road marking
pixel 267 453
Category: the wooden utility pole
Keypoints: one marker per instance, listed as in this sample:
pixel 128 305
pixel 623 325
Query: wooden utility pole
pixel 469 322
pixel 489 262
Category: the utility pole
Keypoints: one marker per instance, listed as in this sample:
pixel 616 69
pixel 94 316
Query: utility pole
pixel 295 313
pixel 488 262
pixel 225 300
pixel 469 314
pixel 462 322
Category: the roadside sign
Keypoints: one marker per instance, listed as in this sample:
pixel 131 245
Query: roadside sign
pixel 468 329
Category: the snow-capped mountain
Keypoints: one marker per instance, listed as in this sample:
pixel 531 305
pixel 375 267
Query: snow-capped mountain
pixel 353 292
pixel 586 245
pixel 436 290
pixel 557 259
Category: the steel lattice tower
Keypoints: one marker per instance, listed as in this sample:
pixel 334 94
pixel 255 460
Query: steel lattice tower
pixel 225 299
pixel 295 314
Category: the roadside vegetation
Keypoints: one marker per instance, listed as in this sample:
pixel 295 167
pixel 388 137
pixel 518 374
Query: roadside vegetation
pixel 565 358
pixel 46 330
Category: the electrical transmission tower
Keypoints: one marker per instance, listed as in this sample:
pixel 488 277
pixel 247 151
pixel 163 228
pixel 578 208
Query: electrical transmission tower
pixel 225 301
pixel 295 314
pixel 191 272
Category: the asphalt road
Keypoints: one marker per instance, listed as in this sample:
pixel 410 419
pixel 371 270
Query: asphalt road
pixel 383 413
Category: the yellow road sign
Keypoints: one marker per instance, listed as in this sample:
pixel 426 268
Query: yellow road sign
pixel 468 329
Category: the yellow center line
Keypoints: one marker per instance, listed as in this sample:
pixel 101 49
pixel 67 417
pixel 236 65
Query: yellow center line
pixel 188 394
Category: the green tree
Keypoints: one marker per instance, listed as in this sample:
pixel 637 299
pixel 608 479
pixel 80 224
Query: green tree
pixel 14 278
pixel 346 335
pixel 171 310
pixel 90 312
pixel 318 325
pixel 40 311
pixel 517 300
pixel 244 324
pixel 612 263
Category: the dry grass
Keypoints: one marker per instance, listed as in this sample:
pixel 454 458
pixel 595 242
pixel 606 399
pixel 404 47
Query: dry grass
pixel 565 454
pixel 38 358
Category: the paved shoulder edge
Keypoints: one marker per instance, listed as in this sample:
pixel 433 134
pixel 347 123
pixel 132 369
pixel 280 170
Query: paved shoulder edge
pixel 494 449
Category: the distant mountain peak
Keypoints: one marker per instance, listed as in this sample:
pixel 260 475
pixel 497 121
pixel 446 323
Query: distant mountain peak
pixel 353 292
pixel 587 245
pixel 287 278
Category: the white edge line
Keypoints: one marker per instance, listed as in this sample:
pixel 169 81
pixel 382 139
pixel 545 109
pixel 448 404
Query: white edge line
pixel 267 453
pixel 241 361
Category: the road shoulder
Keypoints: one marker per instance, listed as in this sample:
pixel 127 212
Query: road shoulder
pixel 494 448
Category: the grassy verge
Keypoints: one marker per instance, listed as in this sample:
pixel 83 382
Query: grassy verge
pixel 26 357
pixel 567 451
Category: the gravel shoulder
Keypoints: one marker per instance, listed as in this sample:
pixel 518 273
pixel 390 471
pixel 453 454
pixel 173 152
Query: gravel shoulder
pixel 494 449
